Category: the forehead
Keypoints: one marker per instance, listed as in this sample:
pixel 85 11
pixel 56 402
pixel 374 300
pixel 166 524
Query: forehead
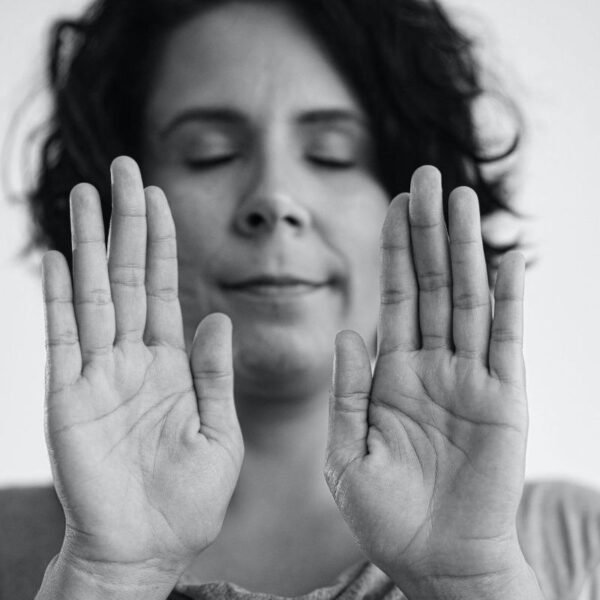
pixel 257 58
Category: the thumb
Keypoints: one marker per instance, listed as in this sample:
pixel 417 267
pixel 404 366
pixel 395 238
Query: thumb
pixel 212 370
pixel 348 405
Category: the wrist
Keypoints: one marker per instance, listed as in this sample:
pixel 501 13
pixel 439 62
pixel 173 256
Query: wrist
pixel 517 582
pixel 70 578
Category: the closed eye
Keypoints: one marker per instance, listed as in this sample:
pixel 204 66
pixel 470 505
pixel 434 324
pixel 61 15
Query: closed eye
pixel 211 162
pixel 331 163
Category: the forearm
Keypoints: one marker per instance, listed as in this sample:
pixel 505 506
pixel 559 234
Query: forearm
pixel 518 584
pixel 68 579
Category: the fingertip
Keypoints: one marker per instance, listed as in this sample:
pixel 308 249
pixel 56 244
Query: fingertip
pixel 346 336
pixel 219 317
pixel 395 224
pixel 514 258
pixel 211 349
pixel 426 175
pixel 425 194
pixel 464 216
pixel 351 348
pixel 400 201
pixel 123 165
pixel 463 196
pixel 51 261
pixel 54 271
pixel 510 280
pixel 399 204
pixel 83 189
pixel 83 194
pixel 214 323
pixel 512 264
pixel 127 186
pixel 154 192
pixel 157 204
pixel 86 213
pixel 50 258
pixel 351 364
pixel 223 320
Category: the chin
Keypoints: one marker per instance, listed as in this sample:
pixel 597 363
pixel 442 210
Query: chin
pixel 278 359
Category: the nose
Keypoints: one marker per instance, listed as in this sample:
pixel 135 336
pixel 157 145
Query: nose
pixel 272 201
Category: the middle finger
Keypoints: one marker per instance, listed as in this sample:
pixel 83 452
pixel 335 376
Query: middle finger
pixel 431 258
pixel 127 250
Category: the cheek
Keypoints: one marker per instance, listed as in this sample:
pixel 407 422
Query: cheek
pixel 201 214
pixel 357 231
pixel 365 272
pixel 199 233
pixel 200 224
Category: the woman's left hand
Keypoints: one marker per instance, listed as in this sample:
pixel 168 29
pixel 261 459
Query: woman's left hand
pixel 426 456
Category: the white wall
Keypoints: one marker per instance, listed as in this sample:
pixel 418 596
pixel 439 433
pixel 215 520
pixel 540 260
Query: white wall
pixel 550 52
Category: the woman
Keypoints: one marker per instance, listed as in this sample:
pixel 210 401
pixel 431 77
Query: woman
pixel 277 177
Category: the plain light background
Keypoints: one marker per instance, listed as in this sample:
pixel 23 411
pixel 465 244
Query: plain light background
pixel 548 53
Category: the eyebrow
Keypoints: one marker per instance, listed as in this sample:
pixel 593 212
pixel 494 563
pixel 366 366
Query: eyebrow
pixel 228 116
pixel 219 115
pixel 331 115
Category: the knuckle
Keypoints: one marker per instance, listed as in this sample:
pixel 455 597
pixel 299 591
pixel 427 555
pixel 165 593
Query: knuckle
pixel 470 354
pixel 127 275
pixel 212 375
pixel 396 296
pixel 130 335
pixel 57 300
pixel 98 351
pixel 395 246
pixel 65 338
pixel 166 294
pixel 131 212
pixel 506 335
pixel 432 281
pixel 80 240
pixel 507 298
pixel 97 297
pixel 351 402
pixel 168 240
pixel 435 341
pixel 426 223
pixel 168 255
pixel 470 301
pixel 466 243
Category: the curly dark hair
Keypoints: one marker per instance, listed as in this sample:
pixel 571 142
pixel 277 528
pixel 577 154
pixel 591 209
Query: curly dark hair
pixel 414 72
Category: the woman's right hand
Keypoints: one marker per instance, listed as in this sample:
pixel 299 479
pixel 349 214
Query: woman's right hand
pixel 144 441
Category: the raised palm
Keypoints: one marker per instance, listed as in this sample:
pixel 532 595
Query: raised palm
pixel 426 456
pixel 144 440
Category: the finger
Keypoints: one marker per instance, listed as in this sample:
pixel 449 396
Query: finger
pixel 94 310
pixel 212 369
pixel 506 346
pixel 127 249
pixel 62 338
pixel 348 404
pixel 431 258
pixel 399 312
pixel 472 312
pixel 163 322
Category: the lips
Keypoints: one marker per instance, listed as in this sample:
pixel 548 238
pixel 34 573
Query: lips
pixel 269 285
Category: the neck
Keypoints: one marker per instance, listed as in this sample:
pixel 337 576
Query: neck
pixel 285 445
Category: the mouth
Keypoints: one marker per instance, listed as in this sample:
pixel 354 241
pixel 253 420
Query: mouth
pixel 267 285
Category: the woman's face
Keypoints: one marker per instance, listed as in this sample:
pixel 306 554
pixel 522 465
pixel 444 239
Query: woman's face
pixel 266 159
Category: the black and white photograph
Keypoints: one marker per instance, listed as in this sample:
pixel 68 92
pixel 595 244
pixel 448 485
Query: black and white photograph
pixel 300 300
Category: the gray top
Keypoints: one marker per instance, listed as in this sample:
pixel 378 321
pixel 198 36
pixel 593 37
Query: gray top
pixel 559 530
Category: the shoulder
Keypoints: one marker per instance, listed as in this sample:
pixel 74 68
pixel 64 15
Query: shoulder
pixel 31 533
pixel 559 531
